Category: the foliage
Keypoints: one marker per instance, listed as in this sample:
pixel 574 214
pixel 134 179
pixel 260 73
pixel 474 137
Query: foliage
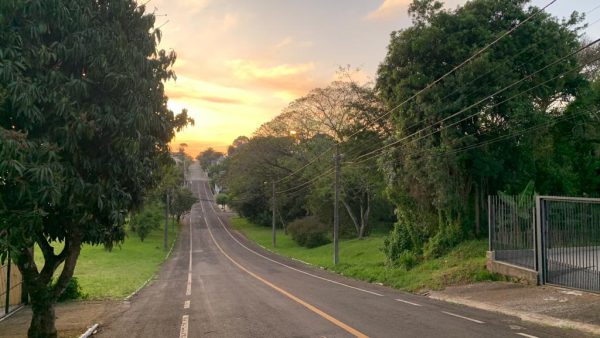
pixel 309 232
pixel 361 259
pixel 182 200
pixel 208 158
pixel 147 219
pixel 438 173
pixel 72 291
pixel 84 126
pixel 222 199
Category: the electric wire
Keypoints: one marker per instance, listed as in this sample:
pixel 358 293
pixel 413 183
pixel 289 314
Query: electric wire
pixel 479 102
pixel 431 84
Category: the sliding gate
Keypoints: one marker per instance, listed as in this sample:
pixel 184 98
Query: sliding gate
pixel 568 241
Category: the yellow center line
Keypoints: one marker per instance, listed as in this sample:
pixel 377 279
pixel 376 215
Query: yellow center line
pixel 312 308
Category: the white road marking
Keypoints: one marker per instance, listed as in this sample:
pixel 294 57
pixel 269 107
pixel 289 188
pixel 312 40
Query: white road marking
pixel 526 335
pixel 287 266
pixel 183 332
pixel 407 302
pixel 463 317
pixel 191 218
pixel 188 290
pixel 186 305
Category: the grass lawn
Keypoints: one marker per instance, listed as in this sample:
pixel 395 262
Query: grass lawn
pixel 363 259
pixel 116 274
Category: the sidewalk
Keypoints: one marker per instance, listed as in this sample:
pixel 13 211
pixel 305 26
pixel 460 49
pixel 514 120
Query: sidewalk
pixel 545 305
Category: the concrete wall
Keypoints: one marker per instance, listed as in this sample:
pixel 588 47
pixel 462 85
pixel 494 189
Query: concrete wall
pixel 523 274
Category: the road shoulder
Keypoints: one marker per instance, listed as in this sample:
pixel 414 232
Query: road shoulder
pixel 544 305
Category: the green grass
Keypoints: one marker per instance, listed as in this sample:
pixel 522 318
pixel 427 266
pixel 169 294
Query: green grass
pixel 116 274
pixel 363 259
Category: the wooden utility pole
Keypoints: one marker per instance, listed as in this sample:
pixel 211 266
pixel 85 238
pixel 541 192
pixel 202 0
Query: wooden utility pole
pixel 336 211
pixel 274 240
pixel 166 239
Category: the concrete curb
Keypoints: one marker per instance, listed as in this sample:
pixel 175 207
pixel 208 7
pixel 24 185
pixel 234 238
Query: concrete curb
pixel 90 331
pixel 154 275
pixel 525 316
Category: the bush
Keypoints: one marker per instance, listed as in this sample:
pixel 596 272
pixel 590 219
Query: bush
pixel 222 199
pixel 402 239
pixel 147 219
pixel 447 237
pixel 73 291
pixel 309 232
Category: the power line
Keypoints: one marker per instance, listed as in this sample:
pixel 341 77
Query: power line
pixel 480 101
pixel 454 69
pixel 471 58
pixel 329 171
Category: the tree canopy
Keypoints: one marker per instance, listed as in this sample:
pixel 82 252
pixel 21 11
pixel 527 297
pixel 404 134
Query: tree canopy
pixel 84 127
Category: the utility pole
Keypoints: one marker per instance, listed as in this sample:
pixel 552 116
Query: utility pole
pixel 166 237
pixel 274 240
pixel 336 211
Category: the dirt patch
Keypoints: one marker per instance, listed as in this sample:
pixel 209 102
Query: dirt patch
pixel 72 319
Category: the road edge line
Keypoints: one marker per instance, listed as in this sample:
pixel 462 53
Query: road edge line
pixel 298 300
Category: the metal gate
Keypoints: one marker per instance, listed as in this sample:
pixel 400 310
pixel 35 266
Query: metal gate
pixel 568 241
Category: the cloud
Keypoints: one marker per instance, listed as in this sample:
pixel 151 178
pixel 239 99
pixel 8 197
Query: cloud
pixel 388 9
pixel 245 70
pixel 285 42
pixel 190 89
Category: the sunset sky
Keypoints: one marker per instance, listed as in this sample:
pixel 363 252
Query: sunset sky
pixel 241 61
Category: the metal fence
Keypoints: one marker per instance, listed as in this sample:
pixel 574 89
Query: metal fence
pixel 512 224
pixel 570 241
pixel 559 237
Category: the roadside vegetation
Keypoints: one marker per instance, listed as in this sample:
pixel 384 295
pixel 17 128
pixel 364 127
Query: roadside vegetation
pixel 422 155
pixel 115 274
pixel 364 260
pixel 84 134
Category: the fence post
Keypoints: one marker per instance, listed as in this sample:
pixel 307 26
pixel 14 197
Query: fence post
pixel 539 245
pixel 7 304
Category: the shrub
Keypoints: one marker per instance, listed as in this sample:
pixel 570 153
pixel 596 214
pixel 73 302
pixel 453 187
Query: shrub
pixel 447 237
pixel 73 291
pixel 403 238
pixel 309 232
pixel 222 199
pixel 147 219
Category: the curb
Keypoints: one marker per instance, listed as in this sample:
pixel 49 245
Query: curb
pixel 525 316
pixel 154 275
pixel 89 331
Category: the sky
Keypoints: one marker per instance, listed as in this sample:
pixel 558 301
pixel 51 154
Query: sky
pixel 240 62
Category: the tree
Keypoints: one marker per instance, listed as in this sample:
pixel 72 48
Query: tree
pixel 182 201
pixel 222 199
pixel 439 172
pixel 84 127
pixel 208 158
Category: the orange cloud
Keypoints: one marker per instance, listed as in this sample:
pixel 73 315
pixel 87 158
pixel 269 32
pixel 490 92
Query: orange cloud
pixel 247 70
pixel 189 89
pixel 388 9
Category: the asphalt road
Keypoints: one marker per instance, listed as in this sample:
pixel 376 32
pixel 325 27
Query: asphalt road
pixel 218 284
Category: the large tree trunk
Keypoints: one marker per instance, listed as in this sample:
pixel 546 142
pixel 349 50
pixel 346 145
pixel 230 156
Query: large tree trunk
pixel 43 319
pixel 41 294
